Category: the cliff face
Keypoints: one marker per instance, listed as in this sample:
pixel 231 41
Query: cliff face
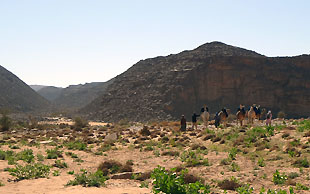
pixel 215 74
pixel 18 96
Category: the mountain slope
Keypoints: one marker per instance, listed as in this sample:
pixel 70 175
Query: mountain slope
pixel 215 74
pixel 74 96
pixel 18 96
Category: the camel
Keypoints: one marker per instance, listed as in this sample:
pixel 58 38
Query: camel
pixel 241 114
pixel 205 115
pixel 251 114
pixel 221 117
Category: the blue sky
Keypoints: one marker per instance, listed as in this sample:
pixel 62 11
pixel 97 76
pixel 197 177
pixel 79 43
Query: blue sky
pixel 63 42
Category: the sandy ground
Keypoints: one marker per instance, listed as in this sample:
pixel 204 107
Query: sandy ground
pixel 145 161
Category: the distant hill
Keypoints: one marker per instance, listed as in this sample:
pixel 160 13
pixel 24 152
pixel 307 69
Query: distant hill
pixel 215 74
pixel 37 87
pixel 17 95
pixel 74 96
pixel 51 93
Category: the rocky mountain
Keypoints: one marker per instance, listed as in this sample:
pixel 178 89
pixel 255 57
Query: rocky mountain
pixel 16 95
pixel 74 96
pixel 214 74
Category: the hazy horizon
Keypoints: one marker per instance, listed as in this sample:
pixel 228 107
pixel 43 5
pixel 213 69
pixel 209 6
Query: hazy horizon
pixel 62 43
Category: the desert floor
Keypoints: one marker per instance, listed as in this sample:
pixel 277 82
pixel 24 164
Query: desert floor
pixel 248 155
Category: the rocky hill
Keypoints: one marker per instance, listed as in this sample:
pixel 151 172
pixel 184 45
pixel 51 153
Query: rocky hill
pixel 16 95
pixel 74 96
pixel 215 74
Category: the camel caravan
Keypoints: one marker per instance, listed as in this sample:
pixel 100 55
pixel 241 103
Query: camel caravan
pixel 221 117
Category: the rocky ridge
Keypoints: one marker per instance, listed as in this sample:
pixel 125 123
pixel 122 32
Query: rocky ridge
pixel 215 74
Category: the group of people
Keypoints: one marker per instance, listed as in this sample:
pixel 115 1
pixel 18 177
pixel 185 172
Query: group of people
pixel 217 118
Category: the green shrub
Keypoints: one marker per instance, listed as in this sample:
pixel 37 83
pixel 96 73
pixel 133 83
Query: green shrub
pixel 40 157
pixel 54 153
pixel 60 164
pixel 14 147
pixel 225 161
pixel 25 155
pixel 76 145
pixel 245 189
pixel 56 173
pixel 261 162
pixel 2 155
pixel 278 191
pixel 303 125
pixel 300 186
pixel 278 178
pixel 302 163
pixel 105 148
pixel 72 155
pixel 30 171
pixel 232 153
pixel 191 158
pixel 87 179
pixel 5 122
pixel 234 167
pixel 270 130
pixel 171 183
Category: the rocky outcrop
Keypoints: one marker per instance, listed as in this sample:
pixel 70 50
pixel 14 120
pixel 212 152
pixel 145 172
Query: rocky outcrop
pixel 214 74
pixel 15 95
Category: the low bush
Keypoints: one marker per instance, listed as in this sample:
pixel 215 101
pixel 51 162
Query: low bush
pixel 88 179
pixel 76 145
pixel 229 184
pixel 235 167
pixel 302 163
pixel 300 186
pixel 30 171
pixel 261 162
pixel 54 153
pixel 112 167
pixel 191 158
pixel 79 123
pixel 171 183
pixel 232 153
pixel 5 122
pixel 25 155
pixel 279 178
pixel 245 189
pixel 60 164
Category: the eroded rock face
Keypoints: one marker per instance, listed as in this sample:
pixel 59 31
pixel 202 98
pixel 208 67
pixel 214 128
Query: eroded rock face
pixel 214 74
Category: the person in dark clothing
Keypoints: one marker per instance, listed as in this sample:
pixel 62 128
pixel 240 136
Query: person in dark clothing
pixel 217 120
pixel 241 109
pixel 183 123
pixel 203 109
pixel 194 120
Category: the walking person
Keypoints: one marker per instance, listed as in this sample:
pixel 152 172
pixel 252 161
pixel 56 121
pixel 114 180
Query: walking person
pixel 268 118
pixel 194 120
pixel 183 123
